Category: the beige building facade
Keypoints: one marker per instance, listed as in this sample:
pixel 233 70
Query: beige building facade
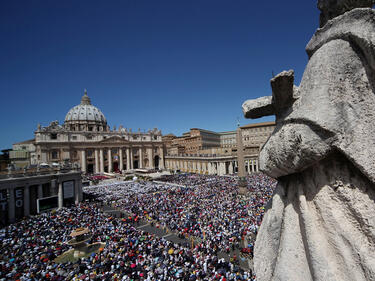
pixel 23 154
pixel 221 158
pixel 192 142
pixel 255 135
pixel 86 139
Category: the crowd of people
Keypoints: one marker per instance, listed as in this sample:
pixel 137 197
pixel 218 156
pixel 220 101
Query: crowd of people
pixel 207 207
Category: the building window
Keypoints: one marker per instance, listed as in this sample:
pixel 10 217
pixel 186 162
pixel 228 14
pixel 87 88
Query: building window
pixel 155 137
pixel 74 137
pixel 53 136
pixel 54 154
pixel 89 137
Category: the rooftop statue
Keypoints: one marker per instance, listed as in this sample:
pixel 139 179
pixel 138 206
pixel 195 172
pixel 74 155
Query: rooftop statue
pixel 321 223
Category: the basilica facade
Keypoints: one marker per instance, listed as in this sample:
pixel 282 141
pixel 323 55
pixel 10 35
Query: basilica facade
pixel 86 139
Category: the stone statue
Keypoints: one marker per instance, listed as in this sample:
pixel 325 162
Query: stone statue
pixel 320 224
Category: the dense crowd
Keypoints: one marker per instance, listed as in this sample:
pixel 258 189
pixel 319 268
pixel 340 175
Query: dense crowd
pixel 204 206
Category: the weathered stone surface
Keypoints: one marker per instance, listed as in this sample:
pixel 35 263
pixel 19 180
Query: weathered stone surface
pixel 333 8
pixel 321 225
pixel 282 92
pixel 258 107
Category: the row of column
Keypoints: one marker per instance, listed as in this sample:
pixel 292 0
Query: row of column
pixel 212 167
pixel 99 159
pixel 252 166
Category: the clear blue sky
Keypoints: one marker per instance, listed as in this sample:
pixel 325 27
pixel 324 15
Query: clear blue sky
pixel 170 64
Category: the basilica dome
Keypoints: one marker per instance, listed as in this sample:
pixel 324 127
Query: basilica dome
pixel 85 113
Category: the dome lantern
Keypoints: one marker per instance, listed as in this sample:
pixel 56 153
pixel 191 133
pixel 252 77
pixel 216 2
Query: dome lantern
pixel 85 99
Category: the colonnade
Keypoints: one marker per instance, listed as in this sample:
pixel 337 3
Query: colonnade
pixel 135 158
pixel 252 166
pixel 211 167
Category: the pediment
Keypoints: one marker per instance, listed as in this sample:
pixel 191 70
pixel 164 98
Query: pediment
pixel 114 139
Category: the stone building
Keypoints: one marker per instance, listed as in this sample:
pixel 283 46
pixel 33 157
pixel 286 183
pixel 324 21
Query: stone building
pixel 255 135
pixel 23 154
pixel 199 141
pixel 86 138
pixel 228 139
pixel 28 192
pixel 168 139
pixel 192 142
pixel 220 157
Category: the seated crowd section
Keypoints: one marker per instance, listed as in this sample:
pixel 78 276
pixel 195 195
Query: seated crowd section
pixel 205 209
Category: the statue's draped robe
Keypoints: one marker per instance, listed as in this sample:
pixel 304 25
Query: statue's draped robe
pixel 321 225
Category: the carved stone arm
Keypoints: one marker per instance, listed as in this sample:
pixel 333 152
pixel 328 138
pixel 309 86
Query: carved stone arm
pixel 284 93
